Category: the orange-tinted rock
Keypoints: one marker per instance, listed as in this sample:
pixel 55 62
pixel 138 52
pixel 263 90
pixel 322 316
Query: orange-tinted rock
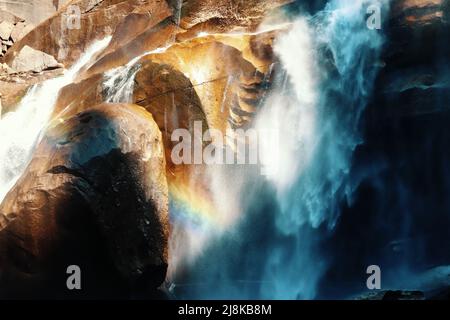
pixel 419 12
pixel 94 195
pixel 214 70
pixel 163 91
pixel 160 36
pixel 226 15
pixel 65 38
pixel 196 16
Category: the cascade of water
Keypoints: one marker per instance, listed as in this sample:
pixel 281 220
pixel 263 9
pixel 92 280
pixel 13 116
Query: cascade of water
pixel 331 60
pixel 20 130
pixel 118 83
pixel 318 119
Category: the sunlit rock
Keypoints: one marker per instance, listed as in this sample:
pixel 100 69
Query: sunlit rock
pixel 73 28
pixel 5 29
pixel 33 60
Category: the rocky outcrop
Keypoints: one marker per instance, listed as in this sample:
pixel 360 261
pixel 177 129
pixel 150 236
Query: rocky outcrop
pixel 20 30
pixel 9 17
pixel 163 91
pixel 67 34
pixel 12 29
pixel 187 76
pixel 94 195
pixel 182 24
pixel 34 11
pixel 6 29
pixel 410 82
pixel 224 15
pixel 33 60
pixel 14 85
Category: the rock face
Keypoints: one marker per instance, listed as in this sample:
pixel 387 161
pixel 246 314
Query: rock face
pixel 411 82
pixel 406 129
pixel 66 34
pixel 33 60
pixel 223 15
pixel 12 29
pixel 9 17
pixel 34 11
pixel 20 30
pixel 6 29
pixel 163 91
pixel 94 195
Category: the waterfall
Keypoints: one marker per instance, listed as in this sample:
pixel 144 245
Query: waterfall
pixel 20 130
pixel 118 83
pixel 319 118
pixel 329 62
pixel 320 112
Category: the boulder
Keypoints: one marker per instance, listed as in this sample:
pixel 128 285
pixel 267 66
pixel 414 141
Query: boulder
pixel 34 11
pixel 9 17
pixel 5 68
pixel 20 30
pixel 33 60
pixel 161 89
pixel 94 195
pixel 5 30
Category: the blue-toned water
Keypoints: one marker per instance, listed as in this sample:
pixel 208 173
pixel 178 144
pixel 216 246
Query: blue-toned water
pixel 329 63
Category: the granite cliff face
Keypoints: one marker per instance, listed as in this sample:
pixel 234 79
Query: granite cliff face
pixel 97 187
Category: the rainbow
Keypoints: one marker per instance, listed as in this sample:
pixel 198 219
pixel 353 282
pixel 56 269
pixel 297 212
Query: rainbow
pixel 193 208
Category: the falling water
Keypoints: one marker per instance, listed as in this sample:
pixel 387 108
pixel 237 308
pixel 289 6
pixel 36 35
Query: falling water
pixel 319 117
pixel 20 130
pixel 330 61
pixel 118 83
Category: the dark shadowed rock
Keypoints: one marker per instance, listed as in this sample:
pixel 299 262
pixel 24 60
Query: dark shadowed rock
pixel 94 195
pixel 413 80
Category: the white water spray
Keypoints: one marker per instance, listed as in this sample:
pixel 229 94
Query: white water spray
pixel 20 130
pixel 293 116
pixel 118 83
pixel 331 60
